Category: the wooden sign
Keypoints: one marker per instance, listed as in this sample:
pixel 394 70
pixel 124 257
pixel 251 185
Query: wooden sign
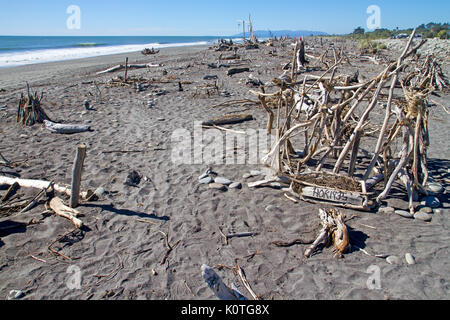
pixel 333 195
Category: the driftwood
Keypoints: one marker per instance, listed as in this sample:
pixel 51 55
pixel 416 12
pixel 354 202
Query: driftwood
pixel 130 66
pixel 148 51
pixel 234 71
pixel 30 111
pixel 76 175
pixel 329 110
pixel 65 128
pixel 334 231
pixel 10 192
pixel 58 206
pixel 232 119
pixel 38 184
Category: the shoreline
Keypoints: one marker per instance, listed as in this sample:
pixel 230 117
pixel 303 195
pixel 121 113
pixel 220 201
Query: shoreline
pixel 41 73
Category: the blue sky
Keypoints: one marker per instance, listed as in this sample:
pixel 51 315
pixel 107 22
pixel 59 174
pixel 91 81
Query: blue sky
pixel 202 17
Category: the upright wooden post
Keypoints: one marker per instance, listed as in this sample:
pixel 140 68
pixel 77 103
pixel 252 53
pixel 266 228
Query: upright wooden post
pixel 76 175
pixel 126 69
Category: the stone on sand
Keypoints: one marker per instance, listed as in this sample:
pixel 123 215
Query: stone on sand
pixel 404 214
pixel 410 259
pixel 236 185
pixel 386 210
pixel 206 180
pixel 422 216
pixel 224 181
pixel 393 260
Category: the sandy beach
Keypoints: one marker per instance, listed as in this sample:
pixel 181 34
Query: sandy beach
pixel 119 252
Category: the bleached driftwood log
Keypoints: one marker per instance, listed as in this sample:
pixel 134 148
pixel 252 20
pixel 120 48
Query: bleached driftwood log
pixel 130 66
pixel 216 284
pixel 58 206
pixel 76 175
pixel 65 128
pixel 38 184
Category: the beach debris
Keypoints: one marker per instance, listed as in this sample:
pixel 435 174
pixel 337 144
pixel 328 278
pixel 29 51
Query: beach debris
pixel 133 179
pixel 128 67
pixel 38 184
pixel 87 106
pixel 334 231
pixel 61 128
pixel 169 247
pixel 234 71
pixel 10 192
pixel 76 175
pixel 208 89
pixel 410 259
pixel 336 120
pixel 210 77
pixel 229 119
pixel 215 283
pixel 30 110
pixel 58 206
pixel 15 295
pixel 148 51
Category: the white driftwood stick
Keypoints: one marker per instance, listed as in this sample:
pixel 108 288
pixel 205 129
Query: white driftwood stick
pixel 57 205
pixel 216 284
pixel 65 128
pixel 131 66
pixel 38 184
pixel 76 175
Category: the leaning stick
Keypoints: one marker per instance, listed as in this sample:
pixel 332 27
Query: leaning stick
pixel 245 282
pixel 76 175
pixel 57 205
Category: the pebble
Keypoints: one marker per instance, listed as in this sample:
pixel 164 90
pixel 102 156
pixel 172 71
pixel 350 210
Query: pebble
pixel 435 187
pixel 206 180
pixel 426 210
pixel 410 259
pixel 404 214
pixel 224 181
pixel 133 179
pixel 275 185
pixel 255 173
pixel 272 208
pixel 206 174
pixel 393 260
pixel 387 210
pixel 15 295
pixel 236 185
pixel 217 186
pixel 438 211
pixel 422 216
pixel 247 176
pixel 431 202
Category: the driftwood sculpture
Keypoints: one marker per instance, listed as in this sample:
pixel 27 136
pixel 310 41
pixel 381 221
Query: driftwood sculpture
pixel 30 111
pixel 332 112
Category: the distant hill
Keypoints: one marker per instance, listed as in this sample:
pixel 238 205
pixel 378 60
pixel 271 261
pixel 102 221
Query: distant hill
pixel 282 33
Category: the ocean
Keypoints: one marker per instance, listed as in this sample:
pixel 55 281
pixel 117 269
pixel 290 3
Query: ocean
pixel 22 50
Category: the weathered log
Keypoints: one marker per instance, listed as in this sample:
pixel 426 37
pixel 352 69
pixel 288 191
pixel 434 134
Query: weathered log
pixel 38 184
pixel 65 128
pixel 233 119
pixel 234 71
pixel 58 206
pixel 131 66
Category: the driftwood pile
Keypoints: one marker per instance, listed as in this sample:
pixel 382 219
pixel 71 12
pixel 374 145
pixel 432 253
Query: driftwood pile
pixel 333 114
pixel 30 110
